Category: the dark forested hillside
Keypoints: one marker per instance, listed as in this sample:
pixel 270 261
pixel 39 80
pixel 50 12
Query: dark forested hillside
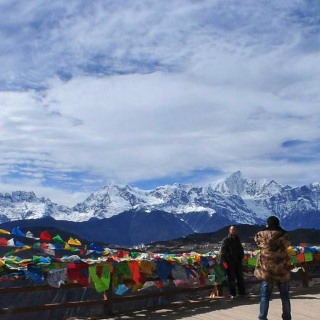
pixel 211 240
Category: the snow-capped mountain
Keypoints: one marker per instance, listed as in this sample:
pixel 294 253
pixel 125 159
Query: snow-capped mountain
pixel 109 201
pixel 21 205
pixel 176 198
pixel 235 199
pixel 246 188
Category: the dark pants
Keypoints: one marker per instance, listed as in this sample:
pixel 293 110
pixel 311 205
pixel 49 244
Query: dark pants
pixel 234 271
pixel 266 290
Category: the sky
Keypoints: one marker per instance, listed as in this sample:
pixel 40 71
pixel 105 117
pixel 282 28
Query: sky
pixel 154 92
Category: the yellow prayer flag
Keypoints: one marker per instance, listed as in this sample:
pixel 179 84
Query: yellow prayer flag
pixel 25 261
pixel 2 231
pixel 291 252
pixel 25 247
pixel 74 242
pixel 67 247
pixel 136 287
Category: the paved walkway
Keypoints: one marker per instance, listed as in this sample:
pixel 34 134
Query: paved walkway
pixel 305 305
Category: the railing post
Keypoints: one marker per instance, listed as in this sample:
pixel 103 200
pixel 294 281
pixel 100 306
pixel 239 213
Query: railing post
pixel 107 308
pixel 220 290
pixel 305 276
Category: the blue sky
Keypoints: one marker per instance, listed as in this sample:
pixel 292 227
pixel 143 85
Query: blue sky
pixel 155 92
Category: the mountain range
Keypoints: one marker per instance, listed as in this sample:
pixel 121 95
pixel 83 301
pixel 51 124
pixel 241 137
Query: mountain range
pixel 186 208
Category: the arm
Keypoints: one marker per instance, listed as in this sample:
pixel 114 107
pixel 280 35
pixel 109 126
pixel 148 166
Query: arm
pixel 241 250
pixel 286 240
pixel 225 250
pixel 257 239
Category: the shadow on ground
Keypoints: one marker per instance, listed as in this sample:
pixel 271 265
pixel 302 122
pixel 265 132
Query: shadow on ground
pixel 180 310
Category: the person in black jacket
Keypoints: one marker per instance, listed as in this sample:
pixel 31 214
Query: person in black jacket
pixel 232 253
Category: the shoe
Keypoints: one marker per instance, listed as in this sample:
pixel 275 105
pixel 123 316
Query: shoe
pixel 233 297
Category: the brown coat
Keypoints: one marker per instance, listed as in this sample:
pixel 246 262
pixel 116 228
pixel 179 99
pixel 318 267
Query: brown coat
pixel 273 263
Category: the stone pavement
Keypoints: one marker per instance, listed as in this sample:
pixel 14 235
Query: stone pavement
pixel 305 304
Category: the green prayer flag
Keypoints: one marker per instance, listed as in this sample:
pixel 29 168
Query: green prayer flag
pixel 308 257
pixel 134 254
pixel 252 261
pixel 9 253
pixel 58 239
pixel 37 245
pixel 212 278
pixel 189 259
pixel 218 270
pixel 245 262
pixel 122 268
pixel 294 259
pixel 36 259
pixel 219 273
pixel 101 283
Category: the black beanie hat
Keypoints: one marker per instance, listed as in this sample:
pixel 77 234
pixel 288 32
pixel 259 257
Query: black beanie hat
pixel 273 221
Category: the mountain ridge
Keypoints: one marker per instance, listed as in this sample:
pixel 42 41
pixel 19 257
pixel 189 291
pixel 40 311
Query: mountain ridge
pixel 234 199
pixel 204 242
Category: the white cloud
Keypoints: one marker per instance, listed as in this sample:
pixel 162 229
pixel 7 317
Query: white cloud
pixel 105 37
pixel 56 195
pixel 208 84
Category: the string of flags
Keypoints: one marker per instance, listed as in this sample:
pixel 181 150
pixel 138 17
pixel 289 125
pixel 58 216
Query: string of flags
pixel 98 265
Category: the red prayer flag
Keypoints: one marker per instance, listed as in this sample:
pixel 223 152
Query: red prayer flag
pixel 120 253
pixel 45 235
pixel 44 246
pixel 3 241
pixel 317 256
pixel 300 257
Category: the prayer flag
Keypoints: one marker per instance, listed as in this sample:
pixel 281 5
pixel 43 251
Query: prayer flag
pixel 45 235
pixel 17 231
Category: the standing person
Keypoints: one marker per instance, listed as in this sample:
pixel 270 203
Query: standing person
pixel 232 253
pixel 273 266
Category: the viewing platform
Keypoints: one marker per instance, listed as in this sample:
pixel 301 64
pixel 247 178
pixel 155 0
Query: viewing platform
pixel 305 304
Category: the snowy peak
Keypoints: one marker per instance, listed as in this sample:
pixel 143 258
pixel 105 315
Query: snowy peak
pixel 237 184
pixel 20 196
pixel 271 188
pixel 108 201
pixel 176 198
pixel 171 192
pixel 234 199
pixel 234 184
pixel 315 186
pixel 22 205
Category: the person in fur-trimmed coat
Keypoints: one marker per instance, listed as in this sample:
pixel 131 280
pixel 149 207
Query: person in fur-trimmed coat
pixel 273 266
